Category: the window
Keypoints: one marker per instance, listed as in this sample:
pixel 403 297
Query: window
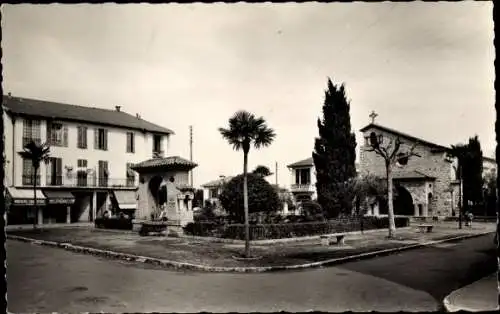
pixel 31 131
pixel 130 142
pixel 82 137
pixel 101 139
pixel 28 172
pixel 213 193
pixel 157 139
pixel 82 163
pixel 303 176
pixel 54 171
pixel 81 178
pixel 130 175
pixel 103 173
pixel 57 134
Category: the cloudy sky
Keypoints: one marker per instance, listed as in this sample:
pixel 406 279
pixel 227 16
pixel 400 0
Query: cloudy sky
pixel 425 68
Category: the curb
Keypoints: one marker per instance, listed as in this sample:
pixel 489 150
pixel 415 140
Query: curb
pixel 188 266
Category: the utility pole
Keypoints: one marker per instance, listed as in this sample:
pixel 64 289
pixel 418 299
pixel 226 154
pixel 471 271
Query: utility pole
pixel 191 151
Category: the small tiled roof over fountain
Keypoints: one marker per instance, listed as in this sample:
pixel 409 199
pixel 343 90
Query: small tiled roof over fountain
pixel 172 162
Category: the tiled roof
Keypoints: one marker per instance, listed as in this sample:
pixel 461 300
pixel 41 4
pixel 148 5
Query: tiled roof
pixel 167 162
pixel 403 174
pixel 216 183
pixel 54 110
pixel 306 162
pixel 404 135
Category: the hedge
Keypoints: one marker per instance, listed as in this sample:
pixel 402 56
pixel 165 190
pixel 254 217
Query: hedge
pixel 290 230
pixel 114 223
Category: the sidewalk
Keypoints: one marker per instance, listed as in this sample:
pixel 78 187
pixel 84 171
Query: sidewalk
pixel 50 226
pixel 481 295
pixel 206 255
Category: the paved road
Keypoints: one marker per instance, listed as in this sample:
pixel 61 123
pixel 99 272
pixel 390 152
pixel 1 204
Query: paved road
pixel 437 270
pixel 53 280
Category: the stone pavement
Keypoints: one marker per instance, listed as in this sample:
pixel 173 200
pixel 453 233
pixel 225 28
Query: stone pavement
pixel 209 254
pixel 481 295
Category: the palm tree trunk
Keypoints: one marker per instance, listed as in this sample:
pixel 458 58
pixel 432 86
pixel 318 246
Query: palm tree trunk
pixel 245 204
pixel 35 221
pixel 390 211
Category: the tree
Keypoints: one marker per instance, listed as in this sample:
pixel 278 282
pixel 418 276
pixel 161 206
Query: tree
pixel 459 151
pixel 473 174
pixel 37 153
pixel 392 154
pixel 262 196
pixel 368 189
pixel 490 180
pixel 334 152
pixel 469 171
pixel 244 130
pixel 262 171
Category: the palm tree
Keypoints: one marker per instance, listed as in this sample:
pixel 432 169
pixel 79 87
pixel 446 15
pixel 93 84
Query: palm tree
pixel 36 153
pixel 244 130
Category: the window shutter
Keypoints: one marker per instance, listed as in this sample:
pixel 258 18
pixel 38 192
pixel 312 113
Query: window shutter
pixel 132 142
pixel 96 138
pixel 84 137
pixel 59 173
pixel 49 139
pixel 105 139
pixel 65 136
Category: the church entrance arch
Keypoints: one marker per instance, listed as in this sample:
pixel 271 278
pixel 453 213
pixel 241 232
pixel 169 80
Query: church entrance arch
pixel 403 202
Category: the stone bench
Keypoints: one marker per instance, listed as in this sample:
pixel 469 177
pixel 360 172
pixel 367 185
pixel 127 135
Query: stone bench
pixel 152 227
pixel 326 239
pixel 425 228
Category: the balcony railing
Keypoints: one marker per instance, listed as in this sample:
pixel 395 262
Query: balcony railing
pixel 82 181
pixel 302 187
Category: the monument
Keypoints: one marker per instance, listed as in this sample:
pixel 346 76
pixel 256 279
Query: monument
pixel 164 192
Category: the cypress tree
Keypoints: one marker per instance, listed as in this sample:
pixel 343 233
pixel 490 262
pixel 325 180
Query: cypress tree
pixel 473 175
pixel 335 153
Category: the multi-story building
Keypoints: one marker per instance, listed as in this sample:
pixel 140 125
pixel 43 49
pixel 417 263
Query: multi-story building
pixel 303 180
pixel 91 151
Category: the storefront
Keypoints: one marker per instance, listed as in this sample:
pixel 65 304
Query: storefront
pixel 58 209
pixel 124 201
pixel 20 206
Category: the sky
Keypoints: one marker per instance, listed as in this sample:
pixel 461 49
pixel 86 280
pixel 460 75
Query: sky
pixel 426 68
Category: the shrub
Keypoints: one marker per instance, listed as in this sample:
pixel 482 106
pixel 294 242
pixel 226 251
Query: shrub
pixel 291 229
pixel 114 223
pixel 262 197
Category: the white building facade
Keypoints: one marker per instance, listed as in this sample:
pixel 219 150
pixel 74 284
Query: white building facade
pixel 303 180
pixel 91 151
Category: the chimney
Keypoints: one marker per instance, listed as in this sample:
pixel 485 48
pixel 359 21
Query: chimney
pixel 138 116
pixel 118 108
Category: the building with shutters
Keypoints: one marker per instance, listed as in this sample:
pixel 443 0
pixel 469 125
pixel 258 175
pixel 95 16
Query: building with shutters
pixel 91 152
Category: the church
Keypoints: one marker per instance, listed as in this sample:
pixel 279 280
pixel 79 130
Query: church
pixel 427 186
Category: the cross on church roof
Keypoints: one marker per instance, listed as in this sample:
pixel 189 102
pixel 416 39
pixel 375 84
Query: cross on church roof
pixel 373 115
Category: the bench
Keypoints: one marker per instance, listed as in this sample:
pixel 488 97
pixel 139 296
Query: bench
pixel 153 227
pixel 425 228
pixel 325 239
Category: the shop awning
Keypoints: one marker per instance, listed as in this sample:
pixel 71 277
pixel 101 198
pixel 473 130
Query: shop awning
pixel 25 196
pixel 125 199
pixel 59 197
